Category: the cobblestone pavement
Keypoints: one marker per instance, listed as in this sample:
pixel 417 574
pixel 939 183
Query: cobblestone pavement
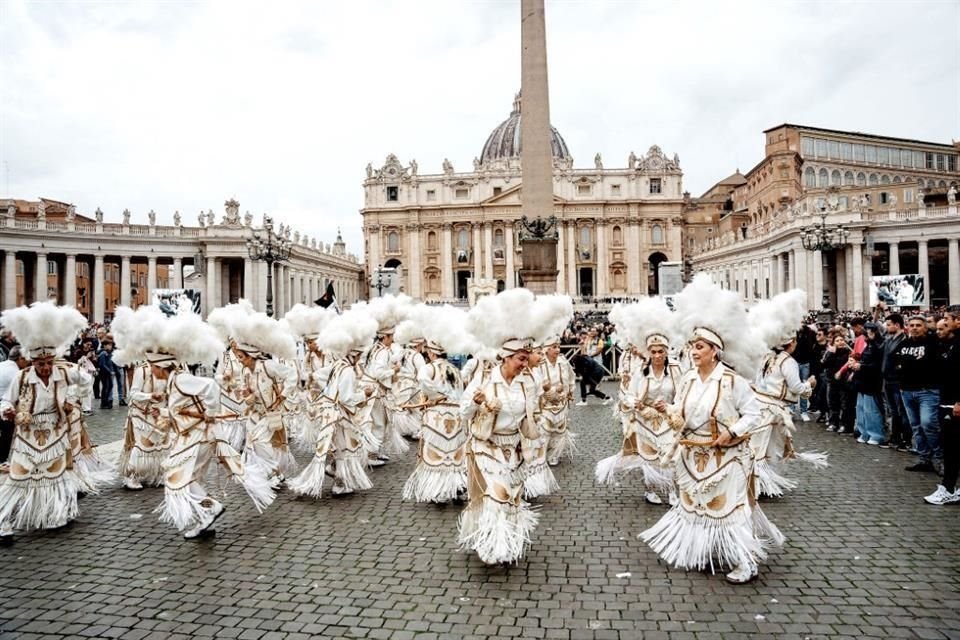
pixel 865 558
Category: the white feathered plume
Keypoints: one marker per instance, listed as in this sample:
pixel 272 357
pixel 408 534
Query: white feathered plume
pixel 266 334
pixel 44 324
pixel 777 320
pixel 354 329
pixel 517 313
pixel 389 310
pixel 136 332
pixel 447 326
pixel 704 304
pixel 224 318
pixel 304 321
pixel 184 335
pixel 636 321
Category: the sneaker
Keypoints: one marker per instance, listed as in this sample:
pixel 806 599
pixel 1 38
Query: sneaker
pixel 132 484
pixel 743 574
pixel 873 441
pixel 553 462
pixel 886 445
pixel 920 466
pixel 652 498
pixel 582 403
pixel 862 440
pixel 340 490
pixel 196 530
pixel 831 427
pixel 607 401
pixel 87 412
pixel 942 496
pixel 903 447
pixel 842 431
pixel 123 402
pixel 805 416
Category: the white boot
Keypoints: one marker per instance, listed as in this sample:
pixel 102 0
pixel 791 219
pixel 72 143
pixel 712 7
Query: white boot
pixel 743 573
pixel 652 497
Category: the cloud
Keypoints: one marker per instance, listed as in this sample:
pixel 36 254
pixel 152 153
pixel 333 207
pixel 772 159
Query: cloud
pixel 179 106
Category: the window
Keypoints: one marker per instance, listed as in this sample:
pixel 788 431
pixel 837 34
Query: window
pixel 462 193
pixel 952 164
pixel 884 197
pixel 463 239
pixel 874 179
pixel 584 189
pixel 497 191
pixel 848 178
pixel 806 145
pixel 393 194
pixel 844 202
pixel 821 148
pixel 883 155
pixel 929 163
pixel 906 158
pixel 823 178
pixel 918 159
pixel 941 163
pixel 861 179
pixel 871 153
pixel 846 151
pixel 656 234
pixel 585 237
pixel 432 241
pixel 655 185
pixel 858 152
pixel 835 178
pixel 431 195
pixel 908 195
pixel 498 237
pixel 617 236
pixel 809 177
pixel 894 157
pixel 51 268
pixel 393 242
pixel 897 180
pixel 884 179
pixel 615 189
pixel 834 150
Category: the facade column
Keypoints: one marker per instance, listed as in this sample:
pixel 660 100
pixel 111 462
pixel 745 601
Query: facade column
pixel 487 250
pixel 893 260
pixel 572 259
pixel 775 274
pixel 816 269
pixel 297 288
pixel 99 295
pixel 287 288
pixel 841 275
pixel 477 252
pixel 151 277
pixel 70 281
pixel 248 279
pixel 510 280
pixel 857 300
pixel 125 280
pixel 799 275
pixel 446 262
pixel 178 274
pixel 561 260
pixel 953 270
pixel 40 278
pixel 212 301
pixel 866 265
pixel 602 268
pixel 414 273
pixel 924 270
pixel 633 258
pixel 373 248
pixel 9 279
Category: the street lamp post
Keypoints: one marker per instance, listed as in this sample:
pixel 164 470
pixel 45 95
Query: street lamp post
pixel 824 237
pixel 268 247
pixel 378 281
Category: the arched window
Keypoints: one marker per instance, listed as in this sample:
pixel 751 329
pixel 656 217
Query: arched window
pixel 884 179
pixel 897 180
pixel 835 178
pixel 823 180
pixel 809 177
pixel 498 237
pixel 586 239
pixel 943 184
pixel 848 178
pixel 861 179
pixel 432 241
pixel 463 239
pixel 617 237
pixel 874 179
pixel 656 234
pixel 393 242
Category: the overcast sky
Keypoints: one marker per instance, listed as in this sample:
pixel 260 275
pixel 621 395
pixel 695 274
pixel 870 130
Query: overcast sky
pixel 182 105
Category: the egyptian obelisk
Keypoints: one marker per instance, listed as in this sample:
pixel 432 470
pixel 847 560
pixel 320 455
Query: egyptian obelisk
pixel 539 272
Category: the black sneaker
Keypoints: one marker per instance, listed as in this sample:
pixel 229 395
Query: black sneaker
pixel 920 466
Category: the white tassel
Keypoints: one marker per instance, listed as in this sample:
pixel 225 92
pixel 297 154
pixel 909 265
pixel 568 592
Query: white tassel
pixel 540 482
pixel 181 508
pixel 256 482
pixel 499 533
pixel 310 481
pixel 143 466
pixel 769 482
pixel 766 530
pixel 394 444
pixel 430 484
pixel 94 474
pixel 818 459
pixel 39 504
pixel 351 471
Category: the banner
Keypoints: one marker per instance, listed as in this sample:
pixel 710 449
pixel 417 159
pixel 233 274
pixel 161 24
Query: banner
pixel 907 290
pixel 169 300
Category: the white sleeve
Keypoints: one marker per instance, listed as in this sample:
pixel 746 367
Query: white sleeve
pixel 284 374
pixel 747 405
pixel 791 374
pixel 430 386
pixel 136 392
pixel 10 398
pixel 349 394
pixel 468 408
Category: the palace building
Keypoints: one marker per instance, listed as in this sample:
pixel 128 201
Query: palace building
pixel 437 232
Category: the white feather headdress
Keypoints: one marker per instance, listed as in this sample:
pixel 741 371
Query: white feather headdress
pixel 446 326
pixel 147 333
pixel 43 328
pixel 705 310
pixel 308 322
pixel 777 320
pixel 223 319
pixel 646 322
pixel 259 334
pixel 389 310
pixel 517 313
pixel 353 330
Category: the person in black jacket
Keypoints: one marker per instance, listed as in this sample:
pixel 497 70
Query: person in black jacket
pixel 868 382
pixel 818 401
pixel 948 492
pixel 900 433
pixel 840 398
pixel 591 373
pixel 918 364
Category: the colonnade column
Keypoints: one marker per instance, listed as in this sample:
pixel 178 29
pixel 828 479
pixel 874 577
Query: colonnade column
pixel 561 262
pixel 151 277
pixel 9 279
pixel 99 295
pixel 633 258
pixel 953 270
pixel 894 259
pixel 178 274
pixel 40 278
pixel 70 281
pixel 212 301
pixel 487 250
pixel 477 252
pixel 775 274
pixel 446 262
pixel 248 279
pixel 856 262
pixel 510 280
pixel 414 272
pixel 818 283
pixel 572 259
pixel 924 271
pixel 601 260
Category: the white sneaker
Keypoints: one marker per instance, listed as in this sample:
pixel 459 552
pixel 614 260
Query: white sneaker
pixel 132 484
pixel 805 416
pixel 582 403
pixel 831 427
pixel 873 442
pixel 196 530
pixel 743 574
pixel 339 490
pixel 652 498
pixel 607 401
pixel 942 496
pixel 862 440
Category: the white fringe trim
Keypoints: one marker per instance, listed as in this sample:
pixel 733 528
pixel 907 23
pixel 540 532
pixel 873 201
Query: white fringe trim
pixel 310 481
pixel 541 482
pixel 769 482
pixel 561 445
pixel 351 471
pixel 255 481
pixel 498 533
pixel 688 541
pixel 765 530
pixel 818 459
pixel 394 444
pixel 407 423
pixel 180 508
pixel 433 484
pixel 286 464
pixel 94 474
pixel 610 470
pixel 144 466
pixel 39 504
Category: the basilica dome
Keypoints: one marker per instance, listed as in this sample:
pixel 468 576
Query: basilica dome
pixel 503 143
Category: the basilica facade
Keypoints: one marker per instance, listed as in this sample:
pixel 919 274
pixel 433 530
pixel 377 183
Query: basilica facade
pixel 434 233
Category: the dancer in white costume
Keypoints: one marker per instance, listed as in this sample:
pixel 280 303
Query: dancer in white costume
pixel 339 434
pixel 404 397
pixel 716 520
pixel 39 487
pixel 306 323
pixel 440 474
pixel 538 478
pixel 557 379
pixel 647 436
pixel 145 443
pixel 229 375
pixel 94 474
pixel 778 386
pixel 191 412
